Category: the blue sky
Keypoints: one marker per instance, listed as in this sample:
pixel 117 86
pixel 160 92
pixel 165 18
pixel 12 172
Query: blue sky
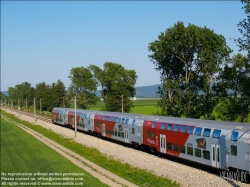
pixel 42 41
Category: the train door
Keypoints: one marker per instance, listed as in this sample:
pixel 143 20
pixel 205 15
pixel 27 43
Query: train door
pixel 216 156
pixel 163 143
pixel 103 130
pixel 126 135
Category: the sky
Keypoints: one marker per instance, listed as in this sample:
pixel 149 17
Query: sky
pixel 42 41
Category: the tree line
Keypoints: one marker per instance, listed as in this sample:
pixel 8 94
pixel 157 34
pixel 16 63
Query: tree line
pixel 199 78
pixel 116 82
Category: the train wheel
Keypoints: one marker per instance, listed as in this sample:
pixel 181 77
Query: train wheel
pixel 152 149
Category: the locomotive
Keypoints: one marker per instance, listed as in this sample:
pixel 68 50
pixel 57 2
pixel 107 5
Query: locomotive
pixel 221 145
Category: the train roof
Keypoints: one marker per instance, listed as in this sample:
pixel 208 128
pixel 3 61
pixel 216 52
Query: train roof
pixel 173 120
pixel 201 123
pixel 122 115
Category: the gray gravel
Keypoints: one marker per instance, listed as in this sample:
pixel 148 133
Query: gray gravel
pixel 185 175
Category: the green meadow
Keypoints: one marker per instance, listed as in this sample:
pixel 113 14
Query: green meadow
pixel 142 106
pixel 22 153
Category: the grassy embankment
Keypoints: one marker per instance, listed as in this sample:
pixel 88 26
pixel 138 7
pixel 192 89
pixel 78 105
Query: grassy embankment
pixel 130 173
pixel 22 153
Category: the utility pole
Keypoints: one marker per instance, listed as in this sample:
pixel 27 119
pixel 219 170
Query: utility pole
pixel 75 118
pixel 122 103
pixel 74 93
pixel 11 104
pixel 40 106
pixel 19 107
pixel 34 110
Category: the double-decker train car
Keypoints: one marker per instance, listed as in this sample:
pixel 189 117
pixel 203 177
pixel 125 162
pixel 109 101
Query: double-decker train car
pixel 120 126
pixel 222 145
pixel 60 115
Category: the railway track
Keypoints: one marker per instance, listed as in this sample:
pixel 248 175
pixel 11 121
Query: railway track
pixel 30 114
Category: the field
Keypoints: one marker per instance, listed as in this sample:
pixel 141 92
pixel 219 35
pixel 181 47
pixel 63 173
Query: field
pixel 142 106
pixel 22 153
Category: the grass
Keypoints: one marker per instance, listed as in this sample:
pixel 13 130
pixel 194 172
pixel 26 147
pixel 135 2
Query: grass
pixel 143 106
pixel 135 175
pixel 21 152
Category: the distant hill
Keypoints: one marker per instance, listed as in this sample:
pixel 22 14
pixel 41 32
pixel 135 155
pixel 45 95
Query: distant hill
pixel 142 91
pixel 5 93
pixel 147 91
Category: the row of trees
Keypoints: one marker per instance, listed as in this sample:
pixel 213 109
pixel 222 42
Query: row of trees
pixel 51 95
pixel 116 82
pixel 199 79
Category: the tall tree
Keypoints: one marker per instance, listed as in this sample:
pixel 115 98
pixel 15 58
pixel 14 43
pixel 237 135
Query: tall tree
pixel 22 92
pixel 59 97
pixel 43 92
pixel 244 28
pixel 117 86
pixel 188 59
pixel 84 86
pixel 234 79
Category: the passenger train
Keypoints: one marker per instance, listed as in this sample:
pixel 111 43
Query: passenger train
pixel 222 145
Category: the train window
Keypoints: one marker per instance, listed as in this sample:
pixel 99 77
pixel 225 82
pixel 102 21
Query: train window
pixel 89 122
pixel 182 149
pixel 190 151
pixel 133 122
pixel 176 128
pixel 119 120
pixel 198 131
pixel 119 134
pixel 122 134
pixel 206 155
pixel 97 124
pixel 148 134
pixel 169 145
pixel 175 147
pixel 190 130
pixel 115 133
pixel 152 134
pixel 216 133
pixel 123 119
pixel 99 117
pixel 163 125
pixel 120 127
pixel 197 152
pixel 153 124
pixel 234 150
pixel 103 118
pixel 126 121
pixel 170 127
pixel 133 130
pixel 234 136
pixel 206 132
pixel 183 129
